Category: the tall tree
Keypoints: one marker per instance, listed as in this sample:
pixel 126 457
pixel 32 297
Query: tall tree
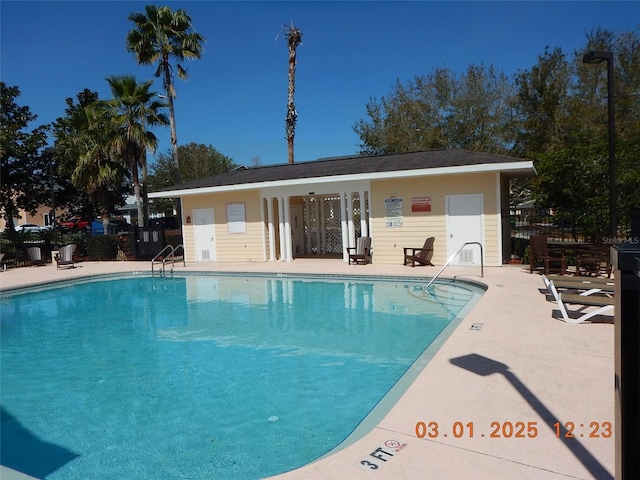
pixel 562 104
pixel 23 169
pixel 160 35
pixel 293 35
pixel 472 110
pixel 481 113
pixel 196 161
pixel 556 112
pixel 543 104
pixel 133 109
pixel 82 139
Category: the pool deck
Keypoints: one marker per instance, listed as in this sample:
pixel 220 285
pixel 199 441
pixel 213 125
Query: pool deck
pixel 517 364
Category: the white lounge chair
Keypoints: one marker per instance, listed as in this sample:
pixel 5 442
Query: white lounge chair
pixel 603 304
pixel 585 288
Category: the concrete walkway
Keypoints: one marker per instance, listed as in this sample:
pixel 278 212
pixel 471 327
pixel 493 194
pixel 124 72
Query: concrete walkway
pixel 493 403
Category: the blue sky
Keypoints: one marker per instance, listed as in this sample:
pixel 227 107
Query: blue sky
pixel 235 98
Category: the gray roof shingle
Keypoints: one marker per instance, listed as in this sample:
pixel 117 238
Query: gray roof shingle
pixel 347 166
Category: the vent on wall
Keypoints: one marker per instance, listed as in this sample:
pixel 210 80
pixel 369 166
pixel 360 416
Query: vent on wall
pixel 205 254
pixel 466 255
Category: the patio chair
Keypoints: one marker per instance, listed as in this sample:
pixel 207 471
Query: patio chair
pixel 35 256
pixel 361 253
pixel 550 260
pixel 421 256
pixel 594 260
pixel 64 257
pixel 603 304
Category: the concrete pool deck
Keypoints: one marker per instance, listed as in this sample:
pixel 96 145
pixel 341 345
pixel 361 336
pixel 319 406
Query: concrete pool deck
pixel 509 369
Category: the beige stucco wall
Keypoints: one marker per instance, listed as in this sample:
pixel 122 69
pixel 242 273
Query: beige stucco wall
pixel 26 217
pixel 388 242
pixel 230 247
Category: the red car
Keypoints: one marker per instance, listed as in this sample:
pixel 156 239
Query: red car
pixel 74 225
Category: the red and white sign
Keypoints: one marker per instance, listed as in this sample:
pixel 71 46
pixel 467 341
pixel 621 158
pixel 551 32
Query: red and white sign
pixel 421 204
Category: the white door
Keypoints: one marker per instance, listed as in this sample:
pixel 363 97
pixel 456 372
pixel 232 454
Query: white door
pixel 464 224
pixel 205 235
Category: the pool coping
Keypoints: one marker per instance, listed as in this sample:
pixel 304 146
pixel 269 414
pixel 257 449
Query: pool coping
pixel 556 371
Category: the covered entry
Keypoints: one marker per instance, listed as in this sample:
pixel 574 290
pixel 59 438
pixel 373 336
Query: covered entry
pixel 315 224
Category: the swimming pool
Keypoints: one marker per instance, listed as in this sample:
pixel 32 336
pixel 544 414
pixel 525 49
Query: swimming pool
pixel 204 376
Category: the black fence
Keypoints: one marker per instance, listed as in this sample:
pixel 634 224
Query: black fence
pixel 147 242
pixel 132 243
pixel 526 223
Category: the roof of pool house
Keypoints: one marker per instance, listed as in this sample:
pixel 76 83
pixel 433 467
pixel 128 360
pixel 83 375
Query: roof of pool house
pixel 425 163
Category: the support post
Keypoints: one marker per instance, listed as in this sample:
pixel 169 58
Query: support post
pixel 625 259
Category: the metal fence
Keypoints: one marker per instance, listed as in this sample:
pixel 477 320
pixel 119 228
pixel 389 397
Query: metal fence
pixel 132 243
pixel 523 225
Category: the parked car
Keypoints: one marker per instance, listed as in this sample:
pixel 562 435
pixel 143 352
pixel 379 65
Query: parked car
pixel 168 223
pixel 31 227
pixel 74 225
pixel 116 226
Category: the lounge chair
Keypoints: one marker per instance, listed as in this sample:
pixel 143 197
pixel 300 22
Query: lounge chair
pixel 572 285
pixel 421 256
pixel 603 285
pixel 35 256
pixel 361 253
pixel 579 279
pixel 604 304
pixel 64 257
pixel 550 260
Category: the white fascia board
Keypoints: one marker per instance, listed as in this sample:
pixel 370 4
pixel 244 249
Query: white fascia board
pixel 425 172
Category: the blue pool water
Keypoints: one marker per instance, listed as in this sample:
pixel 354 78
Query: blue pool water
pixel 202 377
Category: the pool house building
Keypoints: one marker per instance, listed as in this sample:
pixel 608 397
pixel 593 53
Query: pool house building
pixel 318 208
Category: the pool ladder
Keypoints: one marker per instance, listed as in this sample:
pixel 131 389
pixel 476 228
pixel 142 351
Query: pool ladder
pixel 169 256
pixel 454 256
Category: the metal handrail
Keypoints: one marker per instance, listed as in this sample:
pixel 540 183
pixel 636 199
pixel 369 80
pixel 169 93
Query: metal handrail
pixel 454 256
pixel 171 255
pixel 153 260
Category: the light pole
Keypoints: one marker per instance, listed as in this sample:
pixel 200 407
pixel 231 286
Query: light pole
pixel 599 56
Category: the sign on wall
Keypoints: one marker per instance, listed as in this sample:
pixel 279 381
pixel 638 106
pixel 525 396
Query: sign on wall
pixel 236 218
pixel 393 212
pixel 420 204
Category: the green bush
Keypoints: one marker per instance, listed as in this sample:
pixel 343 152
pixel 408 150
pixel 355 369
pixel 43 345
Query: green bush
pixel 102 247
pixel 124 245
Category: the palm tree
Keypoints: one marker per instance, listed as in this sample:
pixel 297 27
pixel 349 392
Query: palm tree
pixel 132 109
pixel 158 36
pixel 294 38
pixel 81 140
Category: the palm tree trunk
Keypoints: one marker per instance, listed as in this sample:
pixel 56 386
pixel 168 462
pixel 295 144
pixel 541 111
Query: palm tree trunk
pixel 102 196
pixel 168 86
pixel 291 109
pixel 136 192
pixel 132 154
pixel 294 38
pixel 145 186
